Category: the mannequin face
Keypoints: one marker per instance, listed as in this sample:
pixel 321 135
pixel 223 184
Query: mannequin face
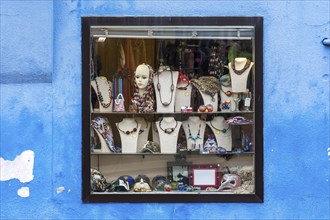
pixel 142 76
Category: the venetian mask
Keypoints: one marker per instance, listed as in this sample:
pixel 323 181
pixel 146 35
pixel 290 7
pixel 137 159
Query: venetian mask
pixel 230 181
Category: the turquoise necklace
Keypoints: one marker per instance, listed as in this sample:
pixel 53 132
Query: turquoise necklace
pixel 194 139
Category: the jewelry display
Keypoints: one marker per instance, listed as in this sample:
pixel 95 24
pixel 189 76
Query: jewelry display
pixel 217 130
pixel 159 87
pixel 143 129
pixel 239 72
pixel 128 132
pixel 207 84
pixel 100 96
pixel 239 120
pixel 194 138
pixel 102 126
pixel 168 130
pixel 184 99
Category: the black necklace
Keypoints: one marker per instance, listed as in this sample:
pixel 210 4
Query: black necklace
pixel 218 131
pixel 194 139
pixel 168 130
pixel 142 130
pixel 129 132
pixel 160 94
pixel 100 97
pixel 239 72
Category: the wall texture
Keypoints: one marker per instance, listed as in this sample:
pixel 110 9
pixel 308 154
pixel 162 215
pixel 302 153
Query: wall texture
pixel 41 109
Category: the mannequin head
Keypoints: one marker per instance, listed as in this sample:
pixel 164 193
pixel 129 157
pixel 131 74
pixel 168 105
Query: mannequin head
pixel 143 98
pixel 142 76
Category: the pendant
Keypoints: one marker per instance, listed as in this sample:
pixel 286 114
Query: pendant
pixel 165 103
pixel 217 131
pixel 134 135
pixel 186 93
pixel 174 134
pixel 169 130
pixel 228 93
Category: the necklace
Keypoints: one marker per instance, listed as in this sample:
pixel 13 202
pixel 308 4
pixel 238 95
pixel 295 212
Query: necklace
pixel 194 139
pixel 228 93
pixel 239 72
pixel 160 94
pixel 129 132
pixel 168 130
pixel 217 130
pixel 142 130
pixel 100 97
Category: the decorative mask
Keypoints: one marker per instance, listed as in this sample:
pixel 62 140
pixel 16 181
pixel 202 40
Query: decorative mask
pixel 98 181
pixel 230 181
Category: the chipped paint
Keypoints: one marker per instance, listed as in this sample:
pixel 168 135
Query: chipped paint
pixel 60 189
pixel 20 168
pixel 24 192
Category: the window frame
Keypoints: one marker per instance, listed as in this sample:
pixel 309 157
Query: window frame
pixel 87 23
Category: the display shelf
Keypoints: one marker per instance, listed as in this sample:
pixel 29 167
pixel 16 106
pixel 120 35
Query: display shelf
pixel 179 153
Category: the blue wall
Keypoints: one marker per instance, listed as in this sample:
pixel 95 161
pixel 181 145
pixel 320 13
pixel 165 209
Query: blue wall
pixel 41 108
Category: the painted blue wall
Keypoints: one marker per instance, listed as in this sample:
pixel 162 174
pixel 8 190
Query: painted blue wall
pixel 41 108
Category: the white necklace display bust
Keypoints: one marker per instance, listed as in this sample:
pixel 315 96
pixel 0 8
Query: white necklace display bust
pixel 168 130
pixel 194 129
pixel 239 81
pixel 221 131
pixel 129 132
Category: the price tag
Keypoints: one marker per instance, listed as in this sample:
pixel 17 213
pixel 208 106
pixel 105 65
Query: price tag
pixel 247 102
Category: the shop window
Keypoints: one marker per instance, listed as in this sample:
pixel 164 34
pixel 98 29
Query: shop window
pixel 172 109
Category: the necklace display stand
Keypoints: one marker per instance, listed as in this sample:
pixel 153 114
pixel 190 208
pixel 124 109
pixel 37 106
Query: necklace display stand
pixel 102 86
pixel 222 132
pixel 165 96
pixel 225 98
pixel 194 129
pixel 182 96
pixel 129 137
pixel 239 81
pixel 168 130
pixel 103 131
pixel 143 133
pixel 212 100
pixel 155 134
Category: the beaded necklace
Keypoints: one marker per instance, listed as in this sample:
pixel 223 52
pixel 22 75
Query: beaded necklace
pixel 228 93
pixel 168 130
pixel 129 132
pixel 100 97
pixel 160 94
pixel 194 139
pixel 217 130
pixel 239 72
